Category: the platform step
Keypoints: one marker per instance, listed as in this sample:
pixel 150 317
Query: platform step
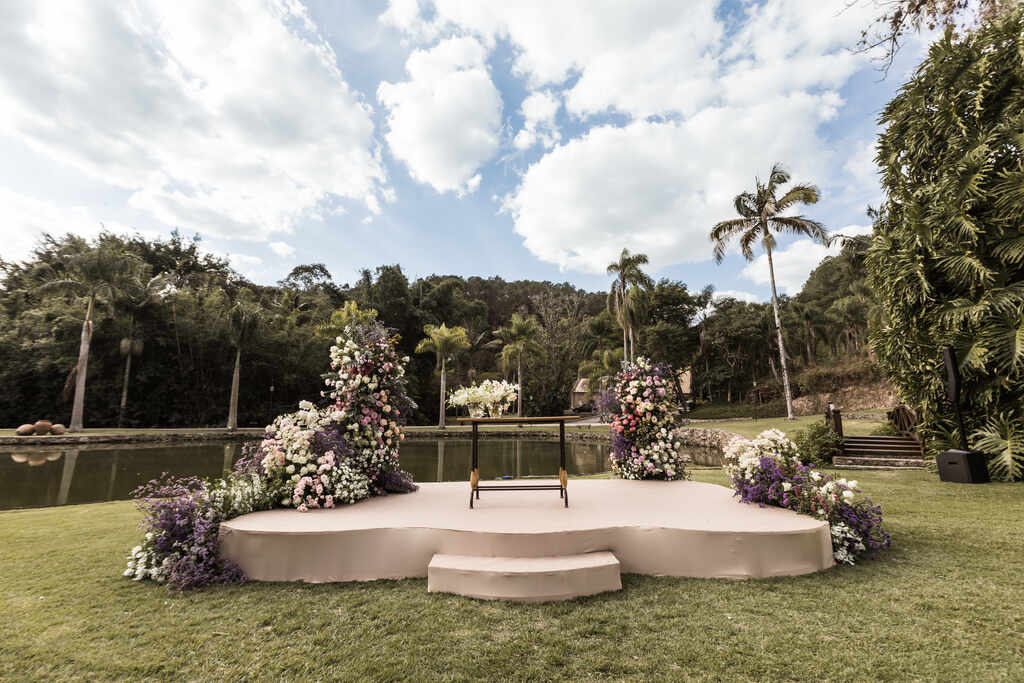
pixel 524 579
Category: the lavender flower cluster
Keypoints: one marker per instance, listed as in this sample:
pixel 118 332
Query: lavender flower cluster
pixel 767 470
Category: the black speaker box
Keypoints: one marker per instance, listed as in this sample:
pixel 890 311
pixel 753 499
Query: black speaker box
pixel 964 467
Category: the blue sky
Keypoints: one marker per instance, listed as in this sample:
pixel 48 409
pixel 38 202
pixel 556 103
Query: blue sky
pixel 526 140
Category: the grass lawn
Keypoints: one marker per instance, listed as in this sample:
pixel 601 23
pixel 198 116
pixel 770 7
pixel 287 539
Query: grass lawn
pixel 946 602
pixel 859 427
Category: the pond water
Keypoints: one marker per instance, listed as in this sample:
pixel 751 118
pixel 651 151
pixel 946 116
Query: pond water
pixel 43 476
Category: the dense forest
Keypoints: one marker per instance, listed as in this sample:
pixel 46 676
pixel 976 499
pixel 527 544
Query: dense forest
pixel 170 324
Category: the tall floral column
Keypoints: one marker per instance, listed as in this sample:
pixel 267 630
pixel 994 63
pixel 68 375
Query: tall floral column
pixel 644 444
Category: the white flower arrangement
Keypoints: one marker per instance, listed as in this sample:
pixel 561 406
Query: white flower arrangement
pixel 491 397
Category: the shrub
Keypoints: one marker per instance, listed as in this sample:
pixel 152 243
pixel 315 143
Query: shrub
pixel 818 444
pixel 768 471
pixel 886 429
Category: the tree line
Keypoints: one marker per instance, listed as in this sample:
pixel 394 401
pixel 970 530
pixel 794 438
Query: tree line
pixel 125 331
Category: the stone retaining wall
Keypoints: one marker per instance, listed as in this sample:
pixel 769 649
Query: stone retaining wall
pixel 539 434
pixel 173 437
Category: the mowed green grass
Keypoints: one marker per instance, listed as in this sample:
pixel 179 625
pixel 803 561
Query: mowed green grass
pixel 751 428
pixel 945 603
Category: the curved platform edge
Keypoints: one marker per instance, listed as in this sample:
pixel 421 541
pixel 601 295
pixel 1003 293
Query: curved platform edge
pixel 398 553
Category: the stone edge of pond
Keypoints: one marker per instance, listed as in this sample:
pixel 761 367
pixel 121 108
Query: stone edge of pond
pixel 73 439
pixel 689 436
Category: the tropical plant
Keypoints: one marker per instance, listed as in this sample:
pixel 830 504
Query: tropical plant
pixel 1003 438
pixel 947 257
pixel 444 342
pixel 138 292
pixel 628 276
pixel 348 314
pixel 601 367
pixel 244 321
pixel 760 216
pixel 518 337
pixel 95 273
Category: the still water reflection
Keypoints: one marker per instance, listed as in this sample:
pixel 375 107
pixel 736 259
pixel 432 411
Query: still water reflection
pixel 39 477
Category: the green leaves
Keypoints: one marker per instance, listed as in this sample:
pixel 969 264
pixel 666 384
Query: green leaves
pixel 1002 438
pixel 947 259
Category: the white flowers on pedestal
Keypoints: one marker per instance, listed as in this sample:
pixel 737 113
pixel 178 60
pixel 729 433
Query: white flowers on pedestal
pixel 490 397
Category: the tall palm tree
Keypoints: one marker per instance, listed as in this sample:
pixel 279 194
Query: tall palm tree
pixel 95 273
pixel 519 336
pixel 760 216
pixel 245 318
pixel 628 275
pixel 445 342
pixel 137 293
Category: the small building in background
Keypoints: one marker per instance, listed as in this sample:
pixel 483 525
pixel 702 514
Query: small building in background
pixel 581 393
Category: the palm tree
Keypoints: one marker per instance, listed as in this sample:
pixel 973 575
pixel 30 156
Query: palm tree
pixel 95 273
pixel 628 276
pixel 445 342
pixel 137 294
pixel 602 366
pixel 244 320
pixel 759 217
pixel 519 336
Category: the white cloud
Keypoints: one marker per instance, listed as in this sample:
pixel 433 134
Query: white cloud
pixel 652 57
pixel 795 262
pixel 445 121
pixel 710 101
pixel 282 249
pixel 233 120
pixel 738 295
pixel 539 110
pixel 658 188
pixel 24 219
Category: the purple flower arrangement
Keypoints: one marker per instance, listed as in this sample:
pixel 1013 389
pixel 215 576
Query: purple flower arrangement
pixel 313 458
pixel 767 471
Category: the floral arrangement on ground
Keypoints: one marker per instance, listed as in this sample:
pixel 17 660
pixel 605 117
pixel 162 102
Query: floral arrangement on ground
pixel 491 397
pixel 312 458
pixel 644 440
pixel 767 470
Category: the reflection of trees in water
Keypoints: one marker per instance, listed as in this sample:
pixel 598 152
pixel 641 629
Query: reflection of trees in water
pixel 56 476
pixel 449 459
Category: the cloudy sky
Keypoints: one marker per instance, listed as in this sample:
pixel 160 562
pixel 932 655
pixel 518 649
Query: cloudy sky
pixel 527 139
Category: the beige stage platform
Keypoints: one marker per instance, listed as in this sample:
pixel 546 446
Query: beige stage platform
pixel 523 545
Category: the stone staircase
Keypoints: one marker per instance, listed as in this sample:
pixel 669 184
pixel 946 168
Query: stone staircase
pixel 881 452
pixel 524 579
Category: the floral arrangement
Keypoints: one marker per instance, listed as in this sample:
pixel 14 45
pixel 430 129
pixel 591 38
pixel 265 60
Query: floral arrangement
pixel 644 442
pixel 312 458
pixel 606 403
pixel 491 397
pixel 767 470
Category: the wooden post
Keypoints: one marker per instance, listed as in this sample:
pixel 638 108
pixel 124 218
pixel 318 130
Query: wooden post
pixel 837 421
